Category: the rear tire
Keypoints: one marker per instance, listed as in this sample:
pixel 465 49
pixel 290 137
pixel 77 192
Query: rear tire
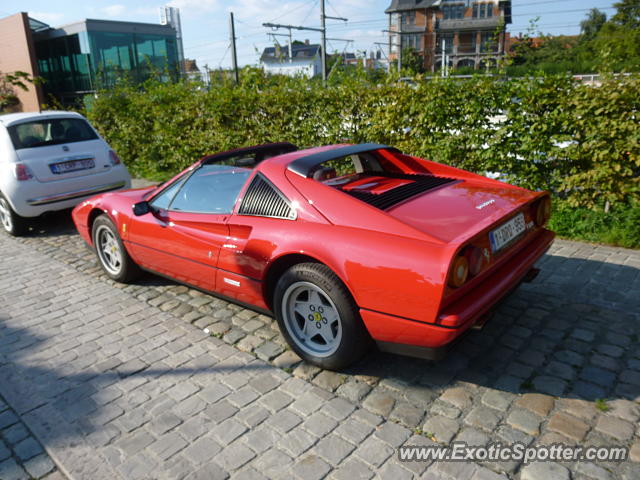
pixel 112 255
pixel 318 317
pixel 12 223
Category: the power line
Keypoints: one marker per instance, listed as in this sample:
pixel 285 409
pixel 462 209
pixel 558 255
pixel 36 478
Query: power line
pixel 315 2
pixel 294 10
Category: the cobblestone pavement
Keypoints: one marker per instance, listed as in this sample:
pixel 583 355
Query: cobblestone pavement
pixel 21 455
pixel 558 363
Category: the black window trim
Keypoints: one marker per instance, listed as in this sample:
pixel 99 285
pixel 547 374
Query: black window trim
pixel 219 157
pixel 275 189
pixel 185 178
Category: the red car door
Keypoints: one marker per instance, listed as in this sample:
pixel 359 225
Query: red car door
pixel 182 235
pixel 184 246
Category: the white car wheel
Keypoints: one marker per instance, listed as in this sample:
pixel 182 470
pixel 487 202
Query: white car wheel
pixel 12 223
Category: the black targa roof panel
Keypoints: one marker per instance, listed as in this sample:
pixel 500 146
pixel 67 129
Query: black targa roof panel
pixel 305 166
pixel 262 151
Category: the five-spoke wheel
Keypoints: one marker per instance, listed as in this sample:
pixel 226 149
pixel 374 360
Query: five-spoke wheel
pixel 312 319
pixel 108 250
pixel 318 317
pixel 113 256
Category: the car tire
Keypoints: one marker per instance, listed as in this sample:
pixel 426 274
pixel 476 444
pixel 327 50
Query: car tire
pixel 318 317
pixel 112 255
pixel 12 223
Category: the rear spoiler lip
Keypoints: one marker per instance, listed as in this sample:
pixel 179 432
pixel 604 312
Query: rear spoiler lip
pixel 306 165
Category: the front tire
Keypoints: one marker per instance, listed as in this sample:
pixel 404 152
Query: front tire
pixel 12 223
pixel 112 256
pixel 318 317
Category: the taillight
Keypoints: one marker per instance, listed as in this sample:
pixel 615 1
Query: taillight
pixel 459 272
pixel 22 172
pixel 542 211
pixel 478 259
pixel 114 158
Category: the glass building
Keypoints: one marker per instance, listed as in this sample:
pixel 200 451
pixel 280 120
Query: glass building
pixel 79 58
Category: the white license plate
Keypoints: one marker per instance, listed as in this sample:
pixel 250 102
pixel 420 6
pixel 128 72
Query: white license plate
pixel 506 232
pixel 72 166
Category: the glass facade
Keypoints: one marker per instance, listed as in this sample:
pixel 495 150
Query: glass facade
pixel 63 65
pixel 76 64
pixel 132 55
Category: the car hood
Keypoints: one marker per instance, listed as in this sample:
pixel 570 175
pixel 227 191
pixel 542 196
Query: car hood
pixel 456 211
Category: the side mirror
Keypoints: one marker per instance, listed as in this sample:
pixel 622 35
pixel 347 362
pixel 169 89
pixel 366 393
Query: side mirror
pixel 141 208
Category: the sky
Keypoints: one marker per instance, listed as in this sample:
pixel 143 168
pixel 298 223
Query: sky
pixel 205 23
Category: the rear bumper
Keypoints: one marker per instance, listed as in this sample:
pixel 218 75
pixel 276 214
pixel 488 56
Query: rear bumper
pixel 60 197
pixel 33 198
pixel 430 340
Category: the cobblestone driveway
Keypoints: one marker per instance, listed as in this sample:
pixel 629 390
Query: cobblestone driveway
pixel 121 368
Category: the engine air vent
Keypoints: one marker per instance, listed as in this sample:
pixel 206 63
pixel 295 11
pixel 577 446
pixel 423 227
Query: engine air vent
pixel 262 199
pixel 383 201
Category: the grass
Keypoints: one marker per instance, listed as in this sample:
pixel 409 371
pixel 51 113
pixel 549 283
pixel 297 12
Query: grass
pixel 601 405
pixel 620 227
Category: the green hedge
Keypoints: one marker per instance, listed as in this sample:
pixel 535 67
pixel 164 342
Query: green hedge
pixel 581 142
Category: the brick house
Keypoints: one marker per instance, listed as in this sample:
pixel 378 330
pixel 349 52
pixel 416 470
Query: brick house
pixel 473 31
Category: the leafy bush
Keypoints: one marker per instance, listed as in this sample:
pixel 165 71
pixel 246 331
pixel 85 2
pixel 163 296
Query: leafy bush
pixel 620 227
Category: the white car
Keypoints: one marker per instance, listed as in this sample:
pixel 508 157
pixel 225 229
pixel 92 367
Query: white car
pixel 52 161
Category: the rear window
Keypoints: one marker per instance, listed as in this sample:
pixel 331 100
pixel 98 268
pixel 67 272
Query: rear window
pixel 41 133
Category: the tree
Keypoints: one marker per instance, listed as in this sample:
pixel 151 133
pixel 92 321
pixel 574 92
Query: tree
pixel 628 14
pixel 8 83
pixel 617 45
pixel 591 25
pixel 412 61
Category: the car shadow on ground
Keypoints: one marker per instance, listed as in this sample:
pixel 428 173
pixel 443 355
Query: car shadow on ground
pixel 81 398
pixel 52 224
pixel 535 343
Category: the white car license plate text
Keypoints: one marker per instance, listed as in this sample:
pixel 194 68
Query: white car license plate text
pixel 72 166
pixel 507 232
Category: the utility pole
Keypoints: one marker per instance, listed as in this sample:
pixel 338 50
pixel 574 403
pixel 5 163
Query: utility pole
pixel 322 30
pixel 385 55
pixel 234 56
pixel 323 26
pixel 444 56
pixel 323 35
pixel 290 37
pixel 400 48
pixel 398 45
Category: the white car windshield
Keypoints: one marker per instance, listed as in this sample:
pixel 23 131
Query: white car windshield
pixel 53 131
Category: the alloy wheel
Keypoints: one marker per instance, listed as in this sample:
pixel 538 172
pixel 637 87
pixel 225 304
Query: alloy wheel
pixel 5 215
pixel 311 318
pixel 108 250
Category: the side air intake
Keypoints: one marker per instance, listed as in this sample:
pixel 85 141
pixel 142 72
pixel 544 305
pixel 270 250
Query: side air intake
pixel 262 199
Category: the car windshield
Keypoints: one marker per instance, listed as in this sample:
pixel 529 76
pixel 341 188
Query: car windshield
pixel 52 131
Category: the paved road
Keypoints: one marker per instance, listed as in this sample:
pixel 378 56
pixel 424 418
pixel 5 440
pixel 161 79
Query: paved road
pixel 128 372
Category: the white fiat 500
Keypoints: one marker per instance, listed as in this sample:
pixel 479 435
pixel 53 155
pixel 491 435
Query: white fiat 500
pixel 52 161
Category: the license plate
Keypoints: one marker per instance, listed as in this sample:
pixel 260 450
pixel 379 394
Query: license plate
pixel 506 232
pixel 72 166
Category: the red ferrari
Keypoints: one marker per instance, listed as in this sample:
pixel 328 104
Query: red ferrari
pixel 346 244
